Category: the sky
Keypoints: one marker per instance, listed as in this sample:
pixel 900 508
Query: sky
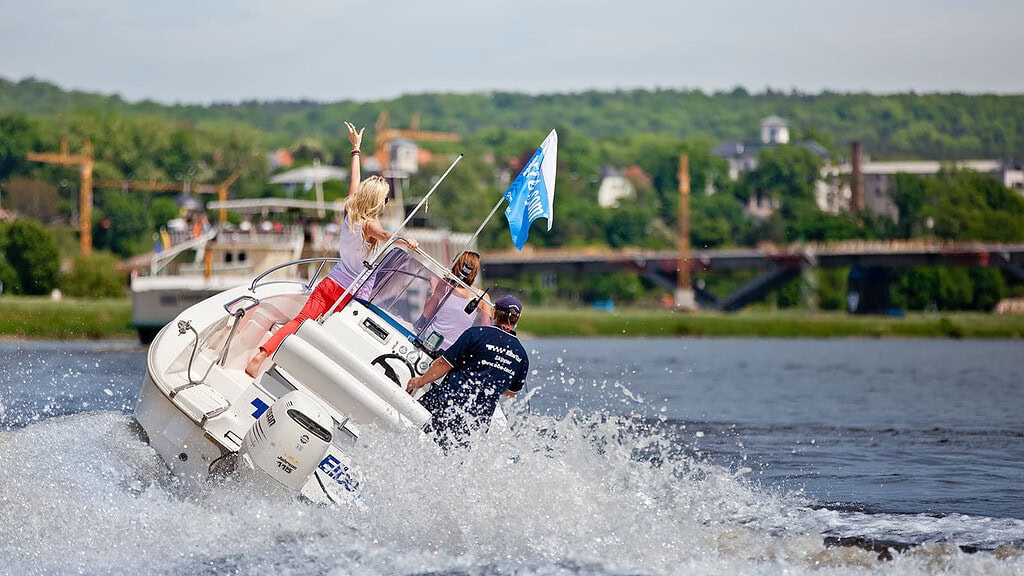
pixel 191 51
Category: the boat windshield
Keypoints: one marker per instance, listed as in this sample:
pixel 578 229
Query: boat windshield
pixel 420 300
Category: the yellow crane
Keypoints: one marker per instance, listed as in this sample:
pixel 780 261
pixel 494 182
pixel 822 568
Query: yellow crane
pixel 385 135
pixel 221 190
pixel 85 163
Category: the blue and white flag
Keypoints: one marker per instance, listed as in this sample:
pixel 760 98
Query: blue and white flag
pixel 532 193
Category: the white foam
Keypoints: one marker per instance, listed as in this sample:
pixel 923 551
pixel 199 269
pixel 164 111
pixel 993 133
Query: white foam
pixel 555 496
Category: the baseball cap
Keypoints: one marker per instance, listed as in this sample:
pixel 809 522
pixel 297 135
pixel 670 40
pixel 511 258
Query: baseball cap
pixel 508 303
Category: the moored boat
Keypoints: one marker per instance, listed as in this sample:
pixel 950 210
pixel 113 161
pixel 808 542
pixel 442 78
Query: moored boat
pixel 197 266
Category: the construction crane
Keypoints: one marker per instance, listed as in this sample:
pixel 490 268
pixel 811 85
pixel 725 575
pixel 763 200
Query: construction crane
pixel 385 135
pixel 85 163
pixel 221 190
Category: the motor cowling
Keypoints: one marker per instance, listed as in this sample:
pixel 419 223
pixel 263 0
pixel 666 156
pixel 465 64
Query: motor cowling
pixel 289 439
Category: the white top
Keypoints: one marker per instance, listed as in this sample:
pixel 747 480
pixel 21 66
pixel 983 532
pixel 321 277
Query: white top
pixel 353 251
pixel 451 319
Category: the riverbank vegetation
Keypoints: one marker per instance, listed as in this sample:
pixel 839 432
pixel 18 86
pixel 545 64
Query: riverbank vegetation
pixel 766 324
pixel 38 317
pixel 72 318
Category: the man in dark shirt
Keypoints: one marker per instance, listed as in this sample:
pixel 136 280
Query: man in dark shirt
pixel 484 363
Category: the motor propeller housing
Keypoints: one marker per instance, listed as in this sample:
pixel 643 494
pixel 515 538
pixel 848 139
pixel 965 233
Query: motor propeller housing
pixel 289 440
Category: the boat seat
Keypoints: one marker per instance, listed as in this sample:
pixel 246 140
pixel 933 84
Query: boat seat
pixel 200 403
pixel 256 329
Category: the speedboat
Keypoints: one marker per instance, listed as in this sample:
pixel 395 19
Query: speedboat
pixel 338 376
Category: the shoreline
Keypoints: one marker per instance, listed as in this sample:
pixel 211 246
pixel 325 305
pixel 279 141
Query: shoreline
pixel 41 318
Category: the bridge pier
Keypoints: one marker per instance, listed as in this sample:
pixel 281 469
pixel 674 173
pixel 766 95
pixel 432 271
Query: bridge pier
pixel 685 300
pixel 868 290
pixel 809 281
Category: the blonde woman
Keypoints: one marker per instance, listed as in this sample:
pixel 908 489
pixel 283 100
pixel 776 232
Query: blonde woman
pixel 360 237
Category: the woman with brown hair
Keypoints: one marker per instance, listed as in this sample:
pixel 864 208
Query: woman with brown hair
pixel 448 316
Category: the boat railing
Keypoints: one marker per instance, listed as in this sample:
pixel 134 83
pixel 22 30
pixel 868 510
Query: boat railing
pixel 319 262
pixel 164 258
pixel 218 268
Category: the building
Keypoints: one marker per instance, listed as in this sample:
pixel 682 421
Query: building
pixel 834 193
pixel 743 156
pixel 616 185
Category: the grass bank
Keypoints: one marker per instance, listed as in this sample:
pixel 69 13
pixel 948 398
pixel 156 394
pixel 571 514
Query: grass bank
pixel 70 319
pixel 766 324
pixel 67 319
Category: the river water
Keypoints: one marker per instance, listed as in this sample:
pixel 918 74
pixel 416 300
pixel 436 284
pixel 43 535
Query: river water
pixel 626 456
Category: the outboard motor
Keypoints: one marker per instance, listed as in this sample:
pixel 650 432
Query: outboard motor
pixel 289 439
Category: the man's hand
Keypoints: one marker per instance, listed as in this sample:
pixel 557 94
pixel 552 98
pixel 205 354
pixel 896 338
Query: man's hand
pixel 414 383
pixel 438 368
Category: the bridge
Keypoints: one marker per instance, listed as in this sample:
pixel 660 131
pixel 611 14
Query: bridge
pixel 873 260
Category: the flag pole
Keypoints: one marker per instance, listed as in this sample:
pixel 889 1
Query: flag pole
pixel 481 228
pixel 422 202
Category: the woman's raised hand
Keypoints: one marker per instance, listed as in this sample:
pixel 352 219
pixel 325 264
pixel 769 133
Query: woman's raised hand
pixel 355 138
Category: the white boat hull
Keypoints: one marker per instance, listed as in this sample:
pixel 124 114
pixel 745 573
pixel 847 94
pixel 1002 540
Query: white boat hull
pixel 197 405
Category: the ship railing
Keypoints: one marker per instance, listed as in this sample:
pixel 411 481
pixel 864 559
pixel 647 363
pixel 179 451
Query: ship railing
pixel 319 263
pixel 164 258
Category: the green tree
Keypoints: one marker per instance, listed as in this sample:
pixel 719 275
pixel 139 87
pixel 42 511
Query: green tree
pixel 812 225
pixel 942 288
pixel 161 210
pixel 788 174
pixel 627 226
pixel 716 220
pixel 32 198
pixel 462 201
pixel 989 288
pixel 181 157
pixel 94 276
pixel 8 275
pixel 122 225
pixel 19 135
pixel 620 286
pixel 32 253
pixel 832 288
pixel 958 205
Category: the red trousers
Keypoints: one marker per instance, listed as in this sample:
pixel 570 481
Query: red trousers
pixel 325 294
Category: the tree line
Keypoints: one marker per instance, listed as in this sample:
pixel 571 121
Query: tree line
pixel 891 126
pixel 646 129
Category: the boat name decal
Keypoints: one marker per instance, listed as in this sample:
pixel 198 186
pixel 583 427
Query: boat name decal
pixel 260 407
pixel 333 467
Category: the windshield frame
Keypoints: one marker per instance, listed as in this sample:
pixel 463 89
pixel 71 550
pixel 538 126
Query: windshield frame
pixel 429 264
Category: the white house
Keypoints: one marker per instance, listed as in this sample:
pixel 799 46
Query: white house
pixel 742 156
